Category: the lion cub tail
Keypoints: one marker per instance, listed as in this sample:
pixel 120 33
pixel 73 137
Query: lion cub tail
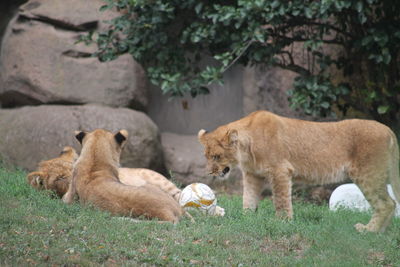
pixel 394 166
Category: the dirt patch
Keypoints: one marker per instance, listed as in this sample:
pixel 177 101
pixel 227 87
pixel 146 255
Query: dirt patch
pixel 378 258
pixel 286 246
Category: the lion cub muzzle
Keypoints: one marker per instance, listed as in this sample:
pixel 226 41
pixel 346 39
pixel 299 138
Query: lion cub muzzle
pixel 223 174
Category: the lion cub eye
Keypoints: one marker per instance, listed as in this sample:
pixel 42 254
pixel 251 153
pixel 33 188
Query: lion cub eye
pixel 216 157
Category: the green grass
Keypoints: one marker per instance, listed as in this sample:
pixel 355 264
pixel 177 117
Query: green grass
pixel 38 229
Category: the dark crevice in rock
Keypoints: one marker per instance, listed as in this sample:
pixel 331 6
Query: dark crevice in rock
pixel 17 31
pixel 23 19
pixel 76 54
pixel 88 26
pixel 7 10
pixel 137 105
pixel 65 103
pixel 14 99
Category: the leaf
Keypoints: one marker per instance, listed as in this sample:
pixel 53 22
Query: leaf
pixel 308 12
pixel 275 4
pixel 386 57
pixel 366 40
pixel 383 109
pixel 359 6
pixel 295 12
pixel 325 105
pixel 104 8
pixel 362 18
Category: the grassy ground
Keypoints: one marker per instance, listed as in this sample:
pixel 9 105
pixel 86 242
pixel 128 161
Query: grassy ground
pixel 38 229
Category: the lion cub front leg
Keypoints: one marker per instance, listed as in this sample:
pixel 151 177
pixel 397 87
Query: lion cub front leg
pixel 281 183
pixel 69 196
pixel 252 189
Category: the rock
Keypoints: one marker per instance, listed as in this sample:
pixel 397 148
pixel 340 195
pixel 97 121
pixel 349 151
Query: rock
pixel 40 62
pixel 349 196
pixel 32 134
pixel 7 10
pixel 184 159
pixel 266 88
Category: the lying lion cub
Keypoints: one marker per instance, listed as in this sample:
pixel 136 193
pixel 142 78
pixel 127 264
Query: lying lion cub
pixel 56 174
pixel 265 145
pixel 95 181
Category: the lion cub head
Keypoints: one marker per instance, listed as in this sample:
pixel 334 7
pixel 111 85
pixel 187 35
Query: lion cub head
pixel 220 149
pixel 54 174
pixel 102 143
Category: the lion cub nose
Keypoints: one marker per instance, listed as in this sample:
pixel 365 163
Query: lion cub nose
pixel 226 170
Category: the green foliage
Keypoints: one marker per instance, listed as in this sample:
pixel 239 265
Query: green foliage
pixel 36 229
pixel 172 38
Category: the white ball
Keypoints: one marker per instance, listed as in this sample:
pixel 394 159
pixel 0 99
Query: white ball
pixel 349 196
pixel 199 196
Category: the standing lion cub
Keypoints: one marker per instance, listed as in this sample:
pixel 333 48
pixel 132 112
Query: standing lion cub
pixel 95 180
pixel 283 150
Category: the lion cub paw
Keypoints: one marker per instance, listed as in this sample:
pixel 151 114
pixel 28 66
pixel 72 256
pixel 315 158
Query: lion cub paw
pixel 360 227
pixel 365 228
pixel 68 198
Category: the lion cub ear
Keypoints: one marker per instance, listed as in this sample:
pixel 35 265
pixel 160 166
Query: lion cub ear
pixel 232 137
pixel 79 135
pixel 36 179
pixel 66 150
pixel 201 134
pixel 121 137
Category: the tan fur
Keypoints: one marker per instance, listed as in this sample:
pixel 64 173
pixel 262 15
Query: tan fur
pixel 283 150
pixel 54 174
pixel 141 176
pixel 95 180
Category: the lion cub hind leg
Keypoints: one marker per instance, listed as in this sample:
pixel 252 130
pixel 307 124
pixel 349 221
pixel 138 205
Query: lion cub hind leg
pixel 152 202
pixel 375 191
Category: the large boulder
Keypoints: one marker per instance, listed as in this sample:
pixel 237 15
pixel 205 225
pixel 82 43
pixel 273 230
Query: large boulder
pixel 31 134
pixel 266 88
pixel 40 62
pixel 184 159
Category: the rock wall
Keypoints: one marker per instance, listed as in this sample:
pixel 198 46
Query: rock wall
pixel 188 115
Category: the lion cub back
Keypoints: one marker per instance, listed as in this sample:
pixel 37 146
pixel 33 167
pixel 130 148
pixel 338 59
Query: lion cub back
pixel 141 176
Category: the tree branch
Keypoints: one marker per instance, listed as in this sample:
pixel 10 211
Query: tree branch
pixel 238 56
pixel 294 67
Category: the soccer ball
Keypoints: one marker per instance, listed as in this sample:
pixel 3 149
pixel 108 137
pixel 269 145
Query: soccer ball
pixel 199 196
